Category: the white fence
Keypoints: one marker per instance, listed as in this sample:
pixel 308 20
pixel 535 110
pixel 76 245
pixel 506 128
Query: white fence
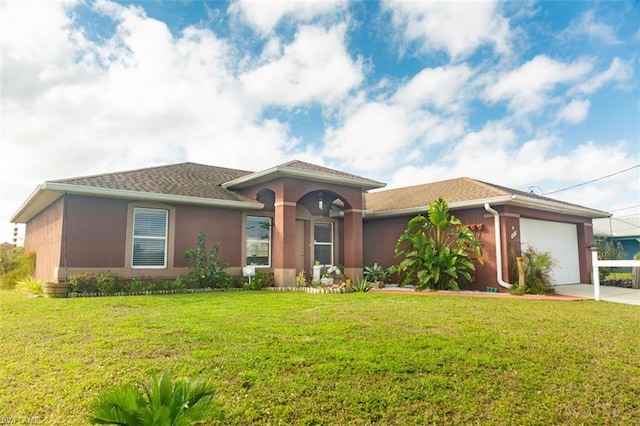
pixel 607 263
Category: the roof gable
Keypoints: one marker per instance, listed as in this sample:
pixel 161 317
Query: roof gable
pixel 301 170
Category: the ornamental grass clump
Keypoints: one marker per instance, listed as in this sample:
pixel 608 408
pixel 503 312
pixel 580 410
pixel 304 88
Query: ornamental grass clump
pixel 15 265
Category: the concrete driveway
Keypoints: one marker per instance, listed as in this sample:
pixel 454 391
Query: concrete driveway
pixel 608 294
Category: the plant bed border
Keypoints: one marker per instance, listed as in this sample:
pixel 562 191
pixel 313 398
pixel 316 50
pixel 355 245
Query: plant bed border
pixel 313 290
pixel 152 292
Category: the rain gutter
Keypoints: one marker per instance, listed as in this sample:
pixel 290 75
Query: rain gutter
pixel 496 226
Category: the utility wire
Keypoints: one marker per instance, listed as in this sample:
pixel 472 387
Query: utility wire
pixel 624 208
pixel 591 181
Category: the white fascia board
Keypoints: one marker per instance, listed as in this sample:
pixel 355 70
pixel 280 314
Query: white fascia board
pixel 35 203
pixel 558 207
pixel 452 206
pixel 48 192
pixel 516 200
pixel 275 172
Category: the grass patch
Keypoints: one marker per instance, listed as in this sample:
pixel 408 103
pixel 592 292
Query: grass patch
pixel 359 358
pixel 619 276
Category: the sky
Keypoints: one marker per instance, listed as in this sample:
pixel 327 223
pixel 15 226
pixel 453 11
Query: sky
pixel 536 96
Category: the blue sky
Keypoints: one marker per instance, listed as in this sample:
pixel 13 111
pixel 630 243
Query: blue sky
pixel 541 95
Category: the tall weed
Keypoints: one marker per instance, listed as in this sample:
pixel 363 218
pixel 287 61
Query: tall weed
pixel 15 265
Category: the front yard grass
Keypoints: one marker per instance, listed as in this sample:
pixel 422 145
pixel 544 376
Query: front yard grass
pixel 360 358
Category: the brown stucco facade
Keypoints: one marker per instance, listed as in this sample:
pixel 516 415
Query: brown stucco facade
pixel 381 236
pixel 43 236
pixel 86 224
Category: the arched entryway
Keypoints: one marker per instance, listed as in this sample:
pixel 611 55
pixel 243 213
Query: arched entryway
pixel 315 212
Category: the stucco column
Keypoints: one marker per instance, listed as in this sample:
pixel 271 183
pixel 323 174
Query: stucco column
pixel 353 246
pixel 284 243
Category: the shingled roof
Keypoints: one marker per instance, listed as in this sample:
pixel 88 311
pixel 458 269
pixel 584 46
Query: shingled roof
pixel 210 185
pixel 183 179
pixel 301 170
pixel 461 192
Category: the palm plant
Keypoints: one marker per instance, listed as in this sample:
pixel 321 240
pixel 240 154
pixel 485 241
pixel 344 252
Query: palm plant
pixel 437 250
pixel 538 272
pixel 161 403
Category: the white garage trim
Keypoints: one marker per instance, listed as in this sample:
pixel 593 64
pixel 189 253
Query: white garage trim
pixel 559 239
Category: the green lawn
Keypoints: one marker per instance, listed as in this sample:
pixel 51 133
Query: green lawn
pixel 360 358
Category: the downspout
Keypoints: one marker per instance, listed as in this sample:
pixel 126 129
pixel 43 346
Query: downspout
pixel 496 226
pixel 64 237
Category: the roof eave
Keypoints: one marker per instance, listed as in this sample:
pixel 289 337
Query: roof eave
pixel 558 207
pixel 514 199
pixel 48 192
pixel 278 171
pixel 452 206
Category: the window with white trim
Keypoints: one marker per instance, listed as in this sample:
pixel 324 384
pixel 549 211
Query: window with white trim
pixel 323 243
pixel 149 238
pixel 258 241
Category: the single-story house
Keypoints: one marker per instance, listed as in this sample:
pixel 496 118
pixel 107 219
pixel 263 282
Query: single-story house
pixel 625 230
pixel 283 219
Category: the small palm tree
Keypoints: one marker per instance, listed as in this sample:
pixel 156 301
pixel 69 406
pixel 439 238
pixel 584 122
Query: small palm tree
pixel 161 403
pixel 538 272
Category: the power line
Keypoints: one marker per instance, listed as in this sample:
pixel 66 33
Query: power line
pixel 624 208
pixel 591 181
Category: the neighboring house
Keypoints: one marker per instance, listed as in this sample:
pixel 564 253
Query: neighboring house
pixel 140 222
pixel 625 230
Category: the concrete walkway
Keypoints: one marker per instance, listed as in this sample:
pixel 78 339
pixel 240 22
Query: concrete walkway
pixel 608 294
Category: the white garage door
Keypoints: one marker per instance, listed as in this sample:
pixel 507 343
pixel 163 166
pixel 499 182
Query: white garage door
pixel 559 239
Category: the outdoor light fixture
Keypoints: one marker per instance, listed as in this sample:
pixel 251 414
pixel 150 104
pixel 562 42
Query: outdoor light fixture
pixel 320 200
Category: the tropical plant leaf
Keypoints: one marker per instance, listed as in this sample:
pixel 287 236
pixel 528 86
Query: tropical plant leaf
pixel 436 250
pixel 161 402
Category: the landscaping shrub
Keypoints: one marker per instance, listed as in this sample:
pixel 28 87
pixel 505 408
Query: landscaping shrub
pixel 162 402
pixel 261 280
pixel 236 281
pixel 301 280
pixel 109 283
pixel 608 250
pixel 206 271
pixel 83 283
pixel 15 265
pixel 538 271
pixel 437 250
pixel 31 285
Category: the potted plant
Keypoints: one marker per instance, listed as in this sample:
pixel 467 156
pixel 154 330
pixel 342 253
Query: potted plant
pixel 332 275
pixel 376 273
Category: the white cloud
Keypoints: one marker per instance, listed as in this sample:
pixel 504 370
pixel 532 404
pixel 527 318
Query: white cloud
pixel 264 16
pixel 528 87
pixel 536 162
pixel 588 25
pixel 459 29
pixel 141 98
pixel 371 138
pixel 315 67
pixel 440 87
pixel 380 136
pixel 575 111
pixel 619 71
